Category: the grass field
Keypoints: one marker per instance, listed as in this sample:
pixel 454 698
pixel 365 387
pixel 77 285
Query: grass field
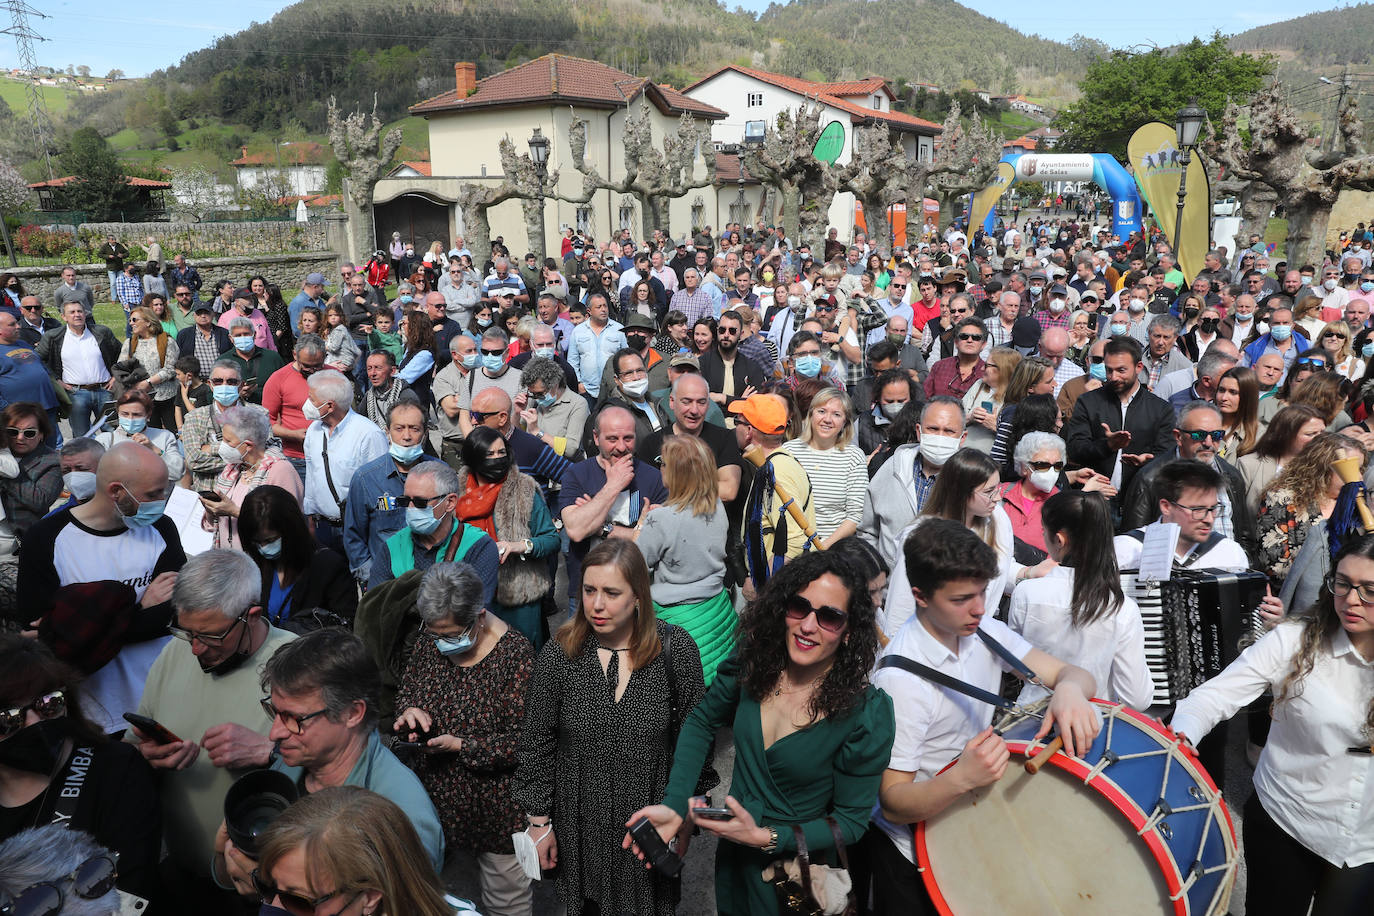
pixel 15 94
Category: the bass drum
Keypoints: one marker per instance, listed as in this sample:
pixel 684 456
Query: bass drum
pixel 1135 828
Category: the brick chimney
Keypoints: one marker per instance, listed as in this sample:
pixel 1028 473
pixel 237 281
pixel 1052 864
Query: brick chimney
pixel 465 78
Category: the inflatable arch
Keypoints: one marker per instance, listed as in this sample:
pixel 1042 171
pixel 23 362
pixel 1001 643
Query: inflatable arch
pixel 1101 169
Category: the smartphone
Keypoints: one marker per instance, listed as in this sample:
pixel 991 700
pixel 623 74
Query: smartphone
pixel 986 405
pixel 421 737
pixel 709 812
pixel 151 729
pixel 655 850
pixel 209 494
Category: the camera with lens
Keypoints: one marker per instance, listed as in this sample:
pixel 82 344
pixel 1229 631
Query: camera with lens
pixel 252 803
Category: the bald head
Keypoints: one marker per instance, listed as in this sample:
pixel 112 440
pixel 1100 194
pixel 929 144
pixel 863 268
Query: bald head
pixel 128 472
pixel 1054 340
pixel 491 400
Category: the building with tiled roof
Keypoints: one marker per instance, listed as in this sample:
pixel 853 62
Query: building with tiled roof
pixel 149 194
pixel 302 165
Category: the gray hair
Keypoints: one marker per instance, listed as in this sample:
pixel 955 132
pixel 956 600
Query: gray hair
pixel 1192 407
pixel 224 581
pixel 405 286
pixel 332 385
pixel 51 853
pixel 445 478
pixel 693 271
pixel 248 421
pixel 239 323
pixel 541 328
pixel 1214 362
pixel 543 370
pixel 82 445
pixel 336 663
pixel 495 333
pixel 947 401
pixel 1036 442
pixel 309 343
pixel 500 261
pixel 229 362
pixel 1164 323
pixel 450 592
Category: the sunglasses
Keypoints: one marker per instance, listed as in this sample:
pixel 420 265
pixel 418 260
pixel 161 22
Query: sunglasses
pixel 48 706
pixel 92 880
pixel 1199 435
pixel 1055 466
pixel 294 904
pixel 897 286
pixel 32 308
pixel 1329 335
pixel 829 618
pixel 970 336
pixel 1304 363
pixel 25 434
pixel 825 308
pixel 423 502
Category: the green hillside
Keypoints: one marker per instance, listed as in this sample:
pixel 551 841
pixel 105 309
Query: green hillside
pixel 1328 39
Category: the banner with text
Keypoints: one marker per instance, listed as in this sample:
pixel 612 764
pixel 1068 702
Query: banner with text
pixel 1158 166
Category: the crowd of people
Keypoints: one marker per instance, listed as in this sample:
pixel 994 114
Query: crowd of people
pixel 491 559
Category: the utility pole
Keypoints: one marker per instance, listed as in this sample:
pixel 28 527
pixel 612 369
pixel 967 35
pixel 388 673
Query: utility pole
pixel 24 37
pixel 1330 139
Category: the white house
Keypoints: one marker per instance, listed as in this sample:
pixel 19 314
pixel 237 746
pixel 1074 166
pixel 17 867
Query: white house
pixel 755 98
pixel 303 165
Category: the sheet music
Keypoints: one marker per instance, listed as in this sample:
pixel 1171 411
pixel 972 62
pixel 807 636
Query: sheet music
pixel 184 508
pixel 1158 551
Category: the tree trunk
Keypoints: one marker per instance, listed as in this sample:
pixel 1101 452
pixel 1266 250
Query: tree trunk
pixel 875 217
pixel 791 212
pixel 1256 202
pixel 476 230
pixel 657 214
pixel 533 211
pixel 1307 222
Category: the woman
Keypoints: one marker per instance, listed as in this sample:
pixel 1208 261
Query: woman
pixel 554 413
pixel 158 306
pixel 683 542
pixel 704 335
pixel 13 288
pixel 498 498
pixel 905 430
pixel 1033 375
pixel 340 349
pixel 1237 398
pixel 640 298
pixel 893 389
pixel 602 716
pixel 1327 393
pixel 479 321
pixel 1307 315
pixel 417 366
pixel 836 465
pixel 298 575
pixel 1039 461
pixel 345 844
pixel 46 740
pixel 28 495
pixel 249 462
pixel 812 735
pixel 311 320
pixel 1287 435
pixel 1334 340
pixel 156 351
pixel 258 287
pixel 864 558
pixel 507 321
pixel 1308 781
pixel 1077 611
pixel 464 683
pixel 132 410
pixel 1082 335
pixel 1197 340
pixel 278 319
pixel 522 329
pixel 874 265
pixel 985 399
pixel 1189 312
pixel 673 335
pixel 1305 491
pixel 1304 366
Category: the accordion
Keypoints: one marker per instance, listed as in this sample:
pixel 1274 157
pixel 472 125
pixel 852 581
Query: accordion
pixel 1194 624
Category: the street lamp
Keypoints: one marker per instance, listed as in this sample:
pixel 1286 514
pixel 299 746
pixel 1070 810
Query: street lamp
pixel 539 156
pixel 1187 125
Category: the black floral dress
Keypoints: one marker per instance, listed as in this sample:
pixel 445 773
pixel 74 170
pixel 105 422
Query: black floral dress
pixel 590 762
pixel 482 704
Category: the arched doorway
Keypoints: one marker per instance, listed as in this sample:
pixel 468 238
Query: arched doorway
pixel 418 218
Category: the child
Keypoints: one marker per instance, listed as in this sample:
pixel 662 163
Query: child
pixel 383 337
pixel 192 392
pixel 340 351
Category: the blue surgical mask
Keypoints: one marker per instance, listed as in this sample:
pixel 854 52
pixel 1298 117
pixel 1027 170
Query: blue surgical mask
pixel 1098 371
pixel 407 298
pixel 423 521
pixel 1367 286
pixel 225 394
pixel 147 513
pixel 808 366
pixel 484 322
pixel 271 550
pixel 492 363
pixel 470 360
pixel 1368 349
pixel 1117 328
pixel 243 344
pixel 544 352
pixel 406 454
pixel 454 645
pixel 1281 332
pixel 1306 281
pixel 545 401
pixel 132 425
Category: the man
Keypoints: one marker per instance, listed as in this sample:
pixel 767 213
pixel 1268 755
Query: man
pixel 743 289
pixel 592 343
pixel 1357 313
pixel 445 328
pixel 1291 290
pixel 639 332
pixel 23 376
pixel 1330 292
pixel 181 310
pixel 660 271
pixel 311 295
pixel 432 532
pixel 285 395
pixel 1239 326
pixel 1000 327
pixel 244 309
pixel 503 287
pixel 787 317
pixel 74 290
pixel 548 310
pixel 1054 343
pixel 618 486
pixel 372 514
pixel 955 375
pixel 1283 338
pixel 530 272
pixel 544 345
pixel 1118 428
pixel 359 301
pixel 1221 357
pixel 495 372
pixel 461 292
pixel 184 274
pixel 689 400
pixel 384 387
pixel 726 373
pixel 204 688
pixel 257 364
pixel 630 390
pixel 450 383
pixel 113 253
pixel 770 536
pixel 909 356
pixel 899 490
pixel 128 288
pixel 119 536
pixel 949 568
pixel 1197 435
pixel 1214 270
pixel 203 339
pixel 79 356
pixel 1055 314
pixel 79 459
pixel 1163 358
pixel 200 431
pixel 33 324
pixel 337 443
pixel 692 300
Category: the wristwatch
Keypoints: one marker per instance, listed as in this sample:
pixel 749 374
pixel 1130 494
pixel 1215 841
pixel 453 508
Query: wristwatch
pixel 772 846
pixel 607 528
pixel 529 546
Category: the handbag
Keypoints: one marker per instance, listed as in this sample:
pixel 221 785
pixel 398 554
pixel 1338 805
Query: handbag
pixel 813 890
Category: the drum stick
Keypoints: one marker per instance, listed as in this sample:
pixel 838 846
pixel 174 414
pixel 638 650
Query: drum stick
pixel 756 457
pixel 1039 760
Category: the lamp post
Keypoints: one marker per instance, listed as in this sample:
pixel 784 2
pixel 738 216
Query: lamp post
pixel 1187 125
pixel 539 155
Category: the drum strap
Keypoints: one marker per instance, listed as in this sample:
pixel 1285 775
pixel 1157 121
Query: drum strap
pixel 945 680
pixel 1014 663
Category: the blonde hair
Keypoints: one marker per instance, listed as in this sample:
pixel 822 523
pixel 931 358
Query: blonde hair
pixel 626 559
pixel 689 473
pixel 825 396
pixel 1339 327
pixel 147 315
pixel 1006 360
pixel 832 271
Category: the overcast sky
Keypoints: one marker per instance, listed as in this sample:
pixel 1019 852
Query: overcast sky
pixel 145 36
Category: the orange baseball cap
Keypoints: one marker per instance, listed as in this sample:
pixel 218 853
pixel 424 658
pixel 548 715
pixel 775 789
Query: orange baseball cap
pixel 765 412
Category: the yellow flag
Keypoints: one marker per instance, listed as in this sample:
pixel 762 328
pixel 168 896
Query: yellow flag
pixel 1158 166
pixel 984 200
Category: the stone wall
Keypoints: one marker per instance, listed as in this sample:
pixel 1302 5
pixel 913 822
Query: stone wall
pixel 236 238
pixel 287 271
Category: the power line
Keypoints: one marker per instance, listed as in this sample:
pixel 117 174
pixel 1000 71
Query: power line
pixel 24 37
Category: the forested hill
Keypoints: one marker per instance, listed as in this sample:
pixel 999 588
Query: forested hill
pixel 1335 37
pixel 285 69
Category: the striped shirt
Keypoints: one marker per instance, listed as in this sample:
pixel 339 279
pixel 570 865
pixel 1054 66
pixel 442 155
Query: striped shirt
pixel 694 304
pixel 839 483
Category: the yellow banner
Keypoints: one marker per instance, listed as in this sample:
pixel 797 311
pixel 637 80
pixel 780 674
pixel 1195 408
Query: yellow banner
pixel 1157 165
pixel 984 200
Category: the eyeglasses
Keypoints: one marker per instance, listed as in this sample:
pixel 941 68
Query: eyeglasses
pixel 208 639
pixel 48 706
pixel 91 880
pixel 1198 435
pixel 1198 513
pixel 223 381
pixel 1341 587
pixel 1046 465
pixel 423 502
pixel 970 336
pixel 24 434
pixel 294 904
pixel 896 286
pixel 294 723
pixel 829 618
pixel 1309 363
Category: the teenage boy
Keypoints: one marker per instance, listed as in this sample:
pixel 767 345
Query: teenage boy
pixel 937 724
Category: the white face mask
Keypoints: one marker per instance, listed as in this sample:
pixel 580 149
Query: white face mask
pixel 1057 305
pixel 636 388
pixel 312 413
pixel 80 484
pixel 936 450
pixel 1136 305
pixel 1044 481
pixel 1329 284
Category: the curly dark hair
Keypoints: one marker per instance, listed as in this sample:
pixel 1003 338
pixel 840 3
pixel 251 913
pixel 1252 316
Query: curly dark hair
pixel 761 638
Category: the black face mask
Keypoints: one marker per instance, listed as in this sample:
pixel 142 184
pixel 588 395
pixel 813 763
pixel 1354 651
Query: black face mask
pixel 235 661
pixel 637 341
pixel 494 469
pixel 35 748
pixel 1190 313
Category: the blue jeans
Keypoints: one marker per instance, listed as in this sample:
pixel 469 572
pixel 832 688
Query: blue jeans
pixel 86 408
pixel 112 274
pixel 299 465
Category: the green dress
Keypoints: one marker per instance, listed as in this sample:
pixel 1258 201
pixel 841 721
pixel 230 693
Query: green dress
pixel 833 768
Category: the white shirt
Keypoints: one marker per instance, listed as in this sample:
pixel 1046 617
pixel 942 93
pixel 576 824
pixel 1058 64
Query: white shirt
pixel 934 723
pixel 1125 406
pixel 1227 554
pixel 1111 648
pixel 1318 793
pixel 82 363
pixel 900 605
pixel 354 442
